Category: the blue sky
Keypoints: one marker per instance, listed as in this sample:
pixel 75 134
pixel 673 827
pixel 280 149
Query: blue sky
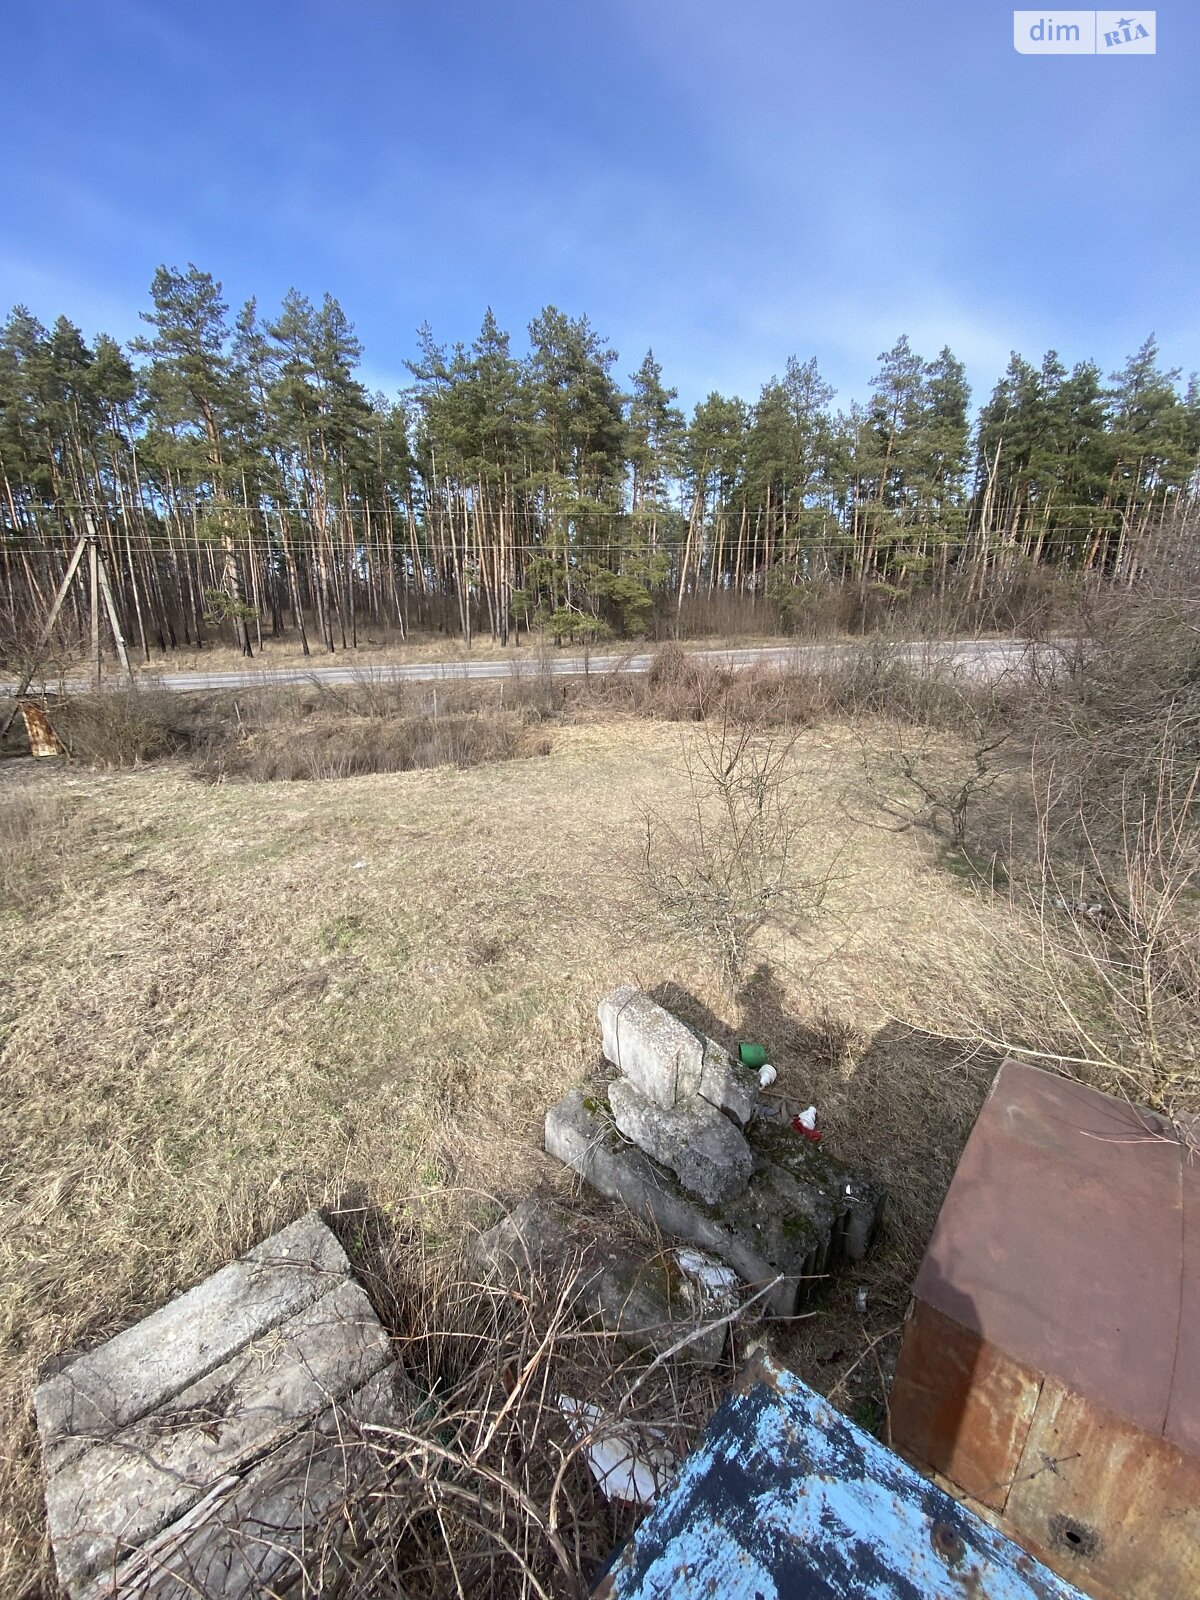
pixel 730 183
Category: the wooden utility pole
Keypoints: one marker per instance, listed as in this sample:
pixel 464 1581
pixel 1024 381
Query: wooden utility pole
pixel 99 586
pixel 98 572
pixel 94 592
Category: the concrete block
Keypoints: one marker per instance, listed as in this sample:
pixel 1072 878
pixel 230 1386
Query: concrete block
pixel 146 1438
pixel 650 1301
pixel 126 1489
pixel 728 1085
pixel 101 1392
pixel 794 1219
pixel 579 1134
pixel 266 1533
pixel 848 1202
pixel 701 1146
pixel 651 1047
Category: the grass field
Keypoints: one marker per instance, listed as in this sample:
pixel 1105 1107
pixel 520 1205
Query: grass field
pixel 221 1004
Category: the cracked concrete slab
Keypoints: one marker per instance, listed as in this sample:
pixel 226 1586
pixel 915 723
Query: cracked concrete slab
pixel 728 1085
pixel 655 1051
pixel 187 1410
pixel 801 1212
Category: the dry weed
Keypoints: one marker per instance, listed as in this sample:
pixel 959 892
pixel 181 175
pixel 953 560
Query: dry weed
pixel 349 746
pixel 482 1488
pixel 121 727
pixel 244 1001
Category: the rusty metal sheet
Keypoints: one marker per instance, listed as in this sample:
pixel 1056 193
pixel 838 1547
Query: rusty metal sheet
pixel 786 1499
pixel 1182 1426
pixel 960 1406
pixel 43 741
pixel 1061 1243
pixel 1112 1510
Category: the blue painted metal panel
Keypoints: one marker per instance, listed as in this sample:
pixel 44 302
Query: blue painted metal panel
pixel 786 1499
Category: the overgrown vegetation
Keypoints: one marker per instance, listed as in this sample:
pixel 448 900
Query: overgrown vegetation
pixel 348 746
pixel 410 965
pixel 1111 876
pixel 311 732
pixel 122 728
pixel 1067 782
pixel 485 1489
pixel 1118 946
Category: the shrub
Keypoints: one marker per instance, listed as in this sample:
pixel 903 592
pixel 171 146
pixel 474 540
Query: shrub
pixel 349 747
pixel 733 865
pixel 1120 705
pixel 120 728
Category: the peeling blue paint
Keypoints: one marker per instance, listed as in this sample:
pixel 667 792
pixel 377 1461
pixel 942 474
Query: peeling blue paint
pixel 786 1499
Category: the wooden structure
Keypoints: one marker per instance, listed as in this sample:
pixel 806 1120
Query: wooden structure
pixel 43 741
pixel 99 588
pixel 786 1499
pixel 1050 1372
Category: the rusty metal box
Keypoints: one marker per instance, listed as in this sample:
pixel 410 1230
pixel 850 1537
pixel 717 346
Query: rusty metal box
pixel 1050 1371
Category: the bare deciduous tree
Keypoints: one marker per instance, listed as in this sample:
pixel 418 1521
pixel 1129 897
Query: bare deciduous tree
pixel 733 864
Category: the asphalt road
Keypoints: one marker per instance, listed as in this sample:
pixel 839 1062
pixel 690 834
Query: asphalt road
pixel 978 658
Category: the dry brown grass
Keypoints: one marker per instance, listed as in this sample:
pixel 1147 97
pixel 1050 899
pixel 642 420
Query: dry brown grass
pixel 230 1003
pixel 32 823
pixel 307 731
pixel 877 678
pixel 352 746
pixel 313 728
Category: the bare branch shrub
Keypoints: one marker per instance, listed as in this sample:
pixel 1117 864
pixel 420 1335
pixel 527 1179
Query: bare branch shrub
pixel 678 687
pixel 1113 937
pixel 480 1485
pixel 1123 694
pixel 733 864
pixel 922 778
pixel 48 669
pixel 121 727
pixel 1108 893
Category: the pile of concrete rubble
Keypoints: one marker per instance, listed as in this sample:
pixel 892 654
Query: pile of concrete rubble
pixel 684 1138
pixel 204 1449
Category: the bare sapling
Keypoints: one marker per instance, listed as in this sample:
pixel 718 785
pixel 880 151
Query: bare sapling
pixel 732 865
pixel 921 777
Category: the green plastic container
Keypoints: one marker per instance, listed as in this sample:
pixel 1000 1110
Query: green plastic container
pixel 752 1055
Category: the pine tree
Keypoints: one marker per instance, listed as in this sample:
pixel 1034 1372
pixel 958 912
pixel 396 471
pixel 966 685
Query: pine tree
pixel 193 403
pixel 502 490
